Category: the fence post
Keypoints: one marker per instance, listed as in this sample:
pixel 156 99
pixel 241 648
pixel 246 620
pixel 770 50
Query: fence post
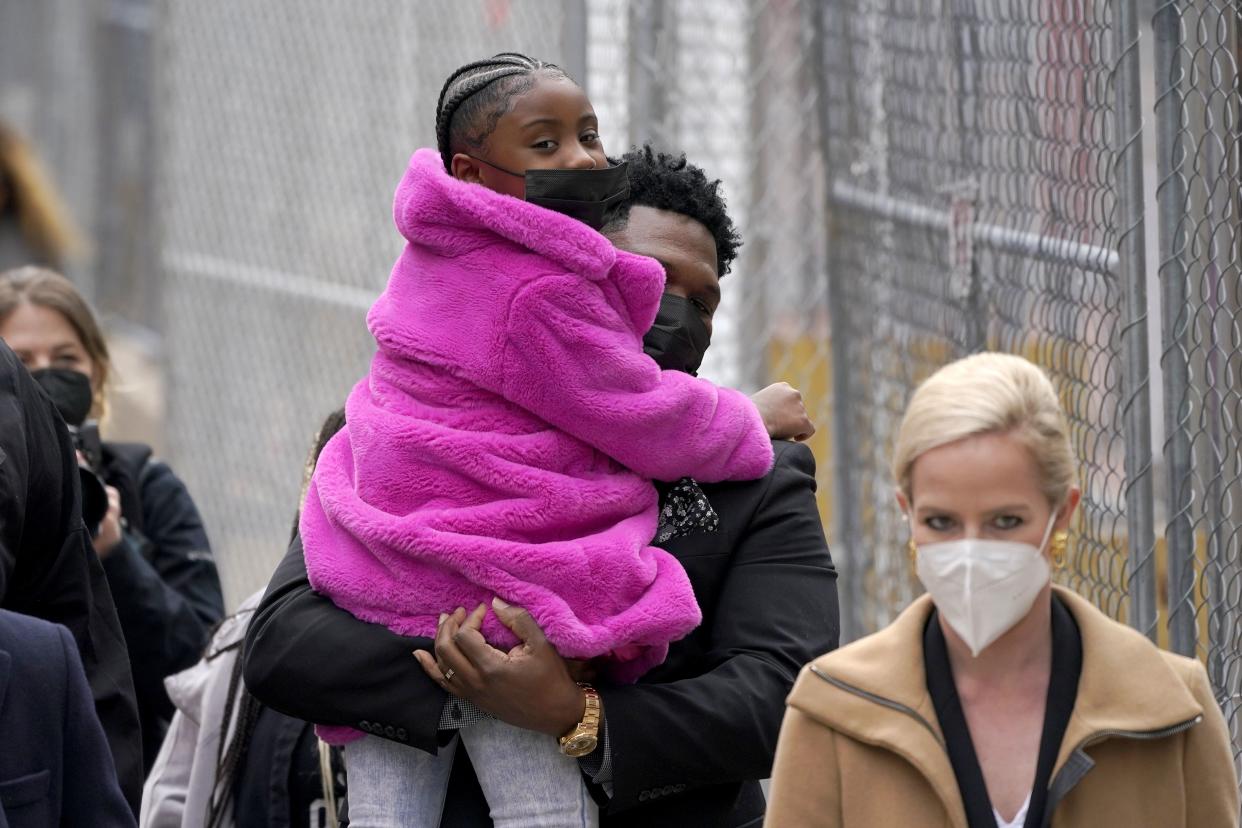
pixel 651 58
pixel 1174 360
pixel 127 279
pixel 846 532
pixel 1135 374
pixel 574 41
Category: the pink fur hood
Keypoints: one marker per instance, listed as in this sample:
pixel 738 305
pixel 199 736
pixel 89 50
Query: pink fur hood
pixel 504 440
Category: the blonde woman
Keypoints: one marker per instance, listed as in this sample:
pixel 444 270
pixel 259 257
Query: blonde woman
pixel 997 699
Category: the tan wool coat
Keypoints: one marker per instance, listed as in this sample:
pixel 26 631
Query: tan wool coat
pixel 861 746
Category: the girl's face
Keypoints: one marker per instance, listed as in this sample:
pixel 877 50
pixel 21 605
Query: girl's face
pixel 984 487
pixel 43 338
pixel 551 126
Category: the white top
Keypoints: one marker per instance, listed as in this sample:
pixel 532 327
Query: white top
pixel 1019 818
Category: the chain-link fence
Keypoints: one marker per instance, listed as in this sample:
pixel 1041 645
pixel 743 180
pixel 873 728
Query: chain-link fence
pixel 986 190
pixel 914 179
pixel 972 149
pixel 1198 109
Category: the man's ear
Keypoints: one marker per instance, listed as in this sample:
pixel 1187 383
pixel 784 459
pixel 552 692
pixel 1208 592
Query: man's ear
pixel 465 168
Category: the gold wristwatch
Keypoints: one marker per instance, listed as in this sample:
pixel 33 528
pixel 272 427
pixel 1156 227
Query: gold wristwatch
pixel 585 736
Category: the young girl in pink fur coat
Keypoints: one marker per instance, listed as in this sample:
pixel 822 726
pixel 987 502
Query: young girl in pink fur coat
pixel 503 443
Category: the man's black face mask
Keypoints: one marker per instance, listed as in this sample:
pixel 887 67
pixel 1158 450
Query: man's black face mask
pixel 679 338
pixel 586 195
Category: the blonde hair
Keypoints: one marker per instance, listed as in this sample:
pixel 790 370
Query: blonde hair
pixel 48 289
pixel 988 393
pixel 45 223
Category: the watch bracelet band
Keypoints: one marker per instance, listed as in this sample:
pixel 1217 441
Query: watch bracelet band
pixel 591 715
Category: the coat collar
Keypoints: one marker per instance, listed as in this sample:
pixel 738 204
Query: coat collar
pixel 435 211
pixel 875 691
pixel 1128 687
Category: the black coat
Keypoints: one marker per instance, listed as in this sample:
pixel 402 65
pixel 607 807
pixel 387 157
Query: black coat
pixel 163 579
pixel 279 783
pixel 48 567
pixel 55 766
pixel 689 742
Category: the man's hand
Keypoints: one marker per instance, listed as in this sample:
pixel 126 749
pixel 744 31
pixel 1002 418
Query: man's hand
pixel 109 537
pixel 783 412
pixel 528 687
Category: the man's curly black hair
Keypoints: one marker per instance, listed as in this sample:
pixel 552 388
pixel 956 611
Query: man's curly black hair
pixel 669 182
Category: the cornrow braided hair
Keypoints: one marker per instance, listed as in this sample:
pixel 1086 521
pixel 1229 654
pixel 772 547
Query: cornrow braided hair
pixel 475 97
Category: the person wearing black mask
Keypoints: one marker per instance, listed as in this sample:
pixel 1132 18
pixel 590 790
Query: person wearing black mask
pixel 146 530
pixel 685 746
pixel 49 570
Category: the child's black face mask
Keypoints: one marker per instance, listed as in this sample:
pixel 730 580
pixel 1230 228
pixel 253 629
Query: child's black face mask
pixel 586 195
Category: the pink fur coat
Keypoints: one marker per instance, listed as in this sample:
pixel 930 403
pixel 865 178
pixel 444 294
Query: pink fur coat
pixel 504 440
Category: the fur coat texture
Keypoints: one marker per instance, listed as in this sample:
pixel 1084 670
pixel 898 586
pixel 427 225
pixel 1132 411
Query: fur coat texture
pixel 504 440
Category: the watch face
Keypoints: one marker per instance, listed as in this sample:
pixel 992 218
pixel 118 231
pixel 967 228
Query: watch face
pixel 580 745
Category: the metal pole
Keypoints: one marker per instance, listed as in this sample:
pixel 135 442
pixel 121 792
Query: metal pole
pixel 126 282
pixel 650 59
pixel 754 362
pixel 1135 374
pixel 1172 206
pixel 846 531
pixel 963 46
pixel 574 41
pixel 1078 255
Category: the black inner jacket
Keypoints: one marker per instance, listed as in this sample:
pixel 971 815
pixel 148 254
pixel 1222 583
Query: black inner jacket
pixel 1062 693
pixel 278 782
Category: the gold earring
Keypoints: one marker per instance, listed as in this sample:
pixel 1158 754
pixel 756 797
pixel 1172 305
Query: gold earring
pixel 912 549
pixel 1059 548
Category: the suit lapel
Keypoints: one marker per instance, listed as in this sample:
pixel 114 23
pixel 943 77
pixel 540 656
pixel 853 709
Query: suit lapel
pixel 6 669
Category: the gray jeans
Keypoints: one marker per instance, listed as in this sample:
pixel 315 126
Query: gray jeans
pixel 528 782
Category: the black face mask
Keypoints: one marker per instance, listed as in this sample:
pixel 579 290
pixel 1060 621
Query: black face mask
pixel 586 195
pixel 679 337
pixel 70 392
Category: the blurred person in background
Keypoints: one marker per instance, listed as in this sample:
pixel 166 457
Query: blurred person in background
pixel 49 570
pixel 270 768
pixel 150 538
pixel 686 745
pixel 35 226
pixel 998 699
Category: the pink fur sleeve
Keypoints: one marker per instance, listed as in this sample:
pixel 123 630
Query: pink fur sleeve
pixel 576 361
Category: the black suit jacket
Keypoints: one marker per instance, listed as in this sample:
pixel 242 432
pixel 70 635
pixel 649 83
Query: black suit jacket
pixel 55 766
pixel 48 567
pixel 689 742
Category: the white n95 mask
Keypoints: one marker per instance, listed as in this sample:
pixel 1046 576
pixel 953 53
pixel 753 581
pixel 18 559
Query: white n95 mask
pixel 983 587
